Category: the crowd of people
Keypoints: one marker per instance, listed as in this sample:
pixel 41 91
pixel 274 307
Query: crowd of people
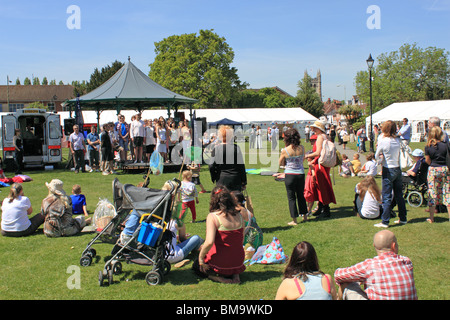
pixel 133 142
pixel 221 254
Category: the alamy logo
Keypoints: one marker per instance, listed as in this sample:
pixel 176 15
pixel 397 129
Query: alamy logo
pixel 374 21
pixel 74 20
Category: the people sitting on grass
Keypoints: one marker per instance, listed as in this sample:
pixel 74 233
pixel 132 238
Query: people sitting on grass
pixel 16 208
pixel 370 167
pixel 57 210
pixel 222 255
pixel 368 198
pixel 356 164
pixel 346 168
pixel 303 279
pixel 388 276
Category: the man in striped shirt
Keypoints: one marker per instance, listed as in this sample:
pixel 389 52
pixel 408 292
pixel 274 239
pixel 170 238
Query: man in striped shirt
pixel 388 276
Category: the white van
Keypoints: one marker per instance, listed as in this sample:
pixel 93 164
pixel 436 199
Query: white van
pixel 41 136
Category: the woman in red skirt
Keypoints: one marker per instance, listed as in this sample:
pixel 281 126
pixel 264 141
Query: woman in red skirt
pixel 322 180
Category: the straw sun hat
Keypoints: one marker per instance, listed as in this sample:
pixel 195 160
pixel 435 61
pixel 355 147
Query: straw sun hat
pixel 56 187
pixel 319 125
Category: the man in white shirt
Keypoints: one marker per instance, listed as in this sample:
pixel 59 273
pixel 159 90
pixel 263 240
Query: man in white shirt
pixel 137 134
pixel 405 132
pixel 77 148
pixel 436 121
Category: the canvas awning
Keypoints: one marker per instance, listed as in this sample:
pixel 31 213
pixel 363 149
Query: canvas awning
pixel 129 88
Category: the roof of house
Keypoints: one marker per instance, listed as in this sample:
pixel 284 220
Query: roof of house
pixel 33 93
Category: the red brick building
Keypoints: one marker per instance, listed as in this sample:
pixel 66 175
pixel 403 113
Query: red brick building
pixel 20 96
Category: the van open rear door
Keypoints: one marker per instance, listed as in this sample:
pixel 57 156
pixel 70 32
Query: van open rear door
pixel 8 126
pixel 53 132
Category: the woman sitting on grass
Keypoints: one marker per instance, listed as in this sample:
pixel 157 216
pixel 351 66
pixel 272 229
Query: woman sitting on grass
pixel 303 279
pixel 15 211
pixel 57 210
pixel 222 255
pixel 368 198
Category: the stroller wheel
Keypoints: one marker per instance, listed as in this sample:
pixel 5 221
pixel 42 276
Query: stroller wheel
pixel 116 267
pixel 101 277
pixel 166 267
pixel 92 252
pixel 110 276
pixel 414 199
pixel 85 261
pixel 153 278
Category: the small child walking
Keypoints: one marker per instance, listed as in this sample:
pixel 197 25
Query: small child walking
pixel 195 169
pixel 78 201
pixel 188 194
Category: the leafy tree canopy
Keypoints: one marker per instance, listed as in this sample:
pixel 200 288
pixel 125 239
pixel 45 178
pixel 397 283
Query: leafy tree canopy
pixel 409 74
pixel 197 66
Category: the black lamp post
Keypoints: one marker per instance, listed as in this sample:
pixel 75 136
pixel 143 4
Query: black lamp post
pixel 370 62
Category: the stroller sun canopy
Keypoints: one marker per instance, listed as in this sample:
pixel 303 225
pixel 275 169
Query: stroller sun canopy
pixel 142 199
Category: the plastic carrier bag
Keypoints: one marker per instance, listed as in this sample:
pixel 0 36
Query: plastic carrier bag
pixel 103 214
pixel 156 163
pixel 269 254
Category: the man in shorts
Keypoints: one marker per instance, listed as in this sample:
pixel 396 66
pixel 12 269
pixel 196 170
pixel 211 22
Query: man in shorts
pixel 137 131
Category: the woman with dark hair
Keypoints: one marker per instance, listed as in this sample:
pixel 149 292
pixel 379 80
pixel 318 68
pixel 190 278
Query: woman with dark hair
pixel 15 211
pixel 303 279
pixel 388 151
pixel 292 158
pixel 222 255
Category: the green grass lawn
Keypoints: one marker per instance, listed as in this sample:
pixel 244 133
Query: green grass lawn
pixel 37 267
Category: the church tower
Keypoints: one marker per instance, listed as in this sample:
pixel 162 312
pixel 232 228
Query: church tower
pixel 316 83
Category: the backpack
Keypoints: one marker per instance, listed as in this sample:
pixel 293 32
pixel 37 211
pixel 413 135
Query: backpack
pixel 328 154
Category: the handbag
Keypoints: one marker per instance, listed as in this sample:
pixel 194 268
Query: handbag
pixel 405 159
pixel 346 138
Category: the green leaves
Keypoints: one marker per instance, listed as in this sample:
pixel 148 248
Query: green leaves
pixel 409 74
pixel 197 66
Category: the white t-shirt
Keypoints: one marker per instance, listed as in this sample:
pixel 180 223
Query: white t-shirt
pixel 370 207
pixel 150 139
pixel 390 149
pixel 14 214
pixel 176 254
pixel 371 167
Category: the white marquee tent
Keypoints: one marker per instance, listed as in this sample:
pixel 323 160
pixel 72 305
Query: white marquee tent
pixel 417 112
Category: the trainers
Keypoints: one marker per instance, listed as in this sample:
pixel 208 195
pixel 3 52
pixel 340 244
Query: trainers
pixel 381 225
pixel 105 173
pixel 400 222
pixel 92 170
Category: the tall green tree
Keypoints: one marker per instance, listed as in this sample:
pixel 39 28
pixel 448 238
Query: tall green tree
pixel 408 74
pixel 307 97
pixel 98 77
pixel 27 81
pixel 197 66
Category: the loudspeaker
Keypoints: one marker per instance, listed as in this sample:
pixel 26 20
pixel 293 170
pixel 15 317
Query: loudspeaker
pixel 179 116
pixel 203 120
pixel 68 126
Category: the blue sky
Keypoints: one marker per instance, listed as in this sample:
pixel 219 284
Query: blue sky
pixel 274 41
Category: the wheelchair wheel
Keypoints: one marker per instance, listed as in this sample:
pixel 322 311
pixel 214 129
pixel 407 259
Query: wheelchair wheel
pixel 414 199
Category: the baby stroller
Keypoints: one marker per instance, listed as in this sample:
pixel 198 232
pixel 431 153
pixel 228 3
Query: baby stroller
pixel 149 242
pixel 111 231
pixel 415 188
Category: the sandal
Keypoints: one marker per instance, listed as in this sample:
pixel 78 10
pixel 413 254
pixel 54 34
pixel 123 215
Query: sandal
pixel 430 221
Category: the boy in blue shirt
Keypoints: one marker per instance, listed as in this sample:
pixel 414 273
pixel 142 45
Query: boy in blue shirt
pixel 78 201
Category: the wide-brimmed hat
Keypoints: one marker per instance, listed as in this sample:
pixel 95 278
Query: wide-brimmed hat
pixel 319 125
pixel 56 187
pixel 417 153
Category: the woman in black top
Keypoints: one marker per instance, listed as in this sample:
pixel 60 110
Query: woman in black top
pixel 227 166
pixel 438 173
pixel 107 150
